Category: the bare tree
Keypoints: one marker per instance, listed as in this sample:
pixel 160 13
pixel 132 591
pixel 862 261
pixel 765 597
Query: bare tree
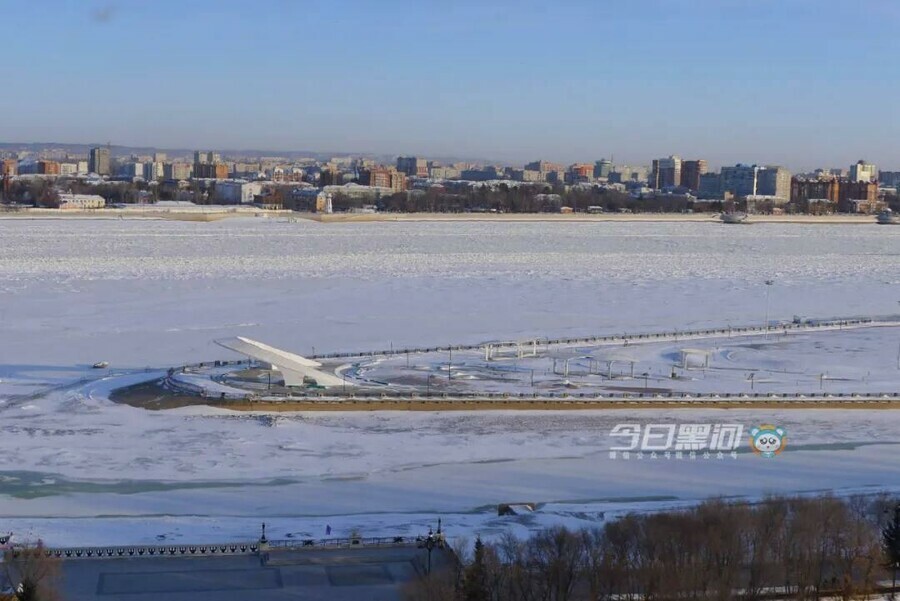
pixel 33 574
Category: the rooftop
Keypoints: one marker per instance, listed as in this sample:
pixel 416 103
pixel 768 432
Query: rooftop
pixel 374 573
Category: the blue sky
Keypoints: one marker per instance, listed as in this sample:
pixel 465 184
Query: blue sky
pixel 803 83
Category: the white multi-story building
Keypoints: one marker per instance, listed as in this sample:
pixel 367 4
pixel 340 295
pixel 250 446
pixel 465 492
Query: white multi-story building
pixel 863 172
pixel 236 191
pixel 81 201
pixel 68 168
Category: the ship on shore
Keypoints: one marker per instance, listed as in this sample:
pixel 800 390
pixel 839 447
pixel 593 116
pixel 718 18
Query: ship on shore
pixel 888 217
pixel 734 218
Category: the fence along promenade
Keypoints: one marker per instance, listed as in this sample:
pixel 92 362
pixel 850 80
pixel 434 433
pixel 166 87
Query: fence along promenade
pixel 417 400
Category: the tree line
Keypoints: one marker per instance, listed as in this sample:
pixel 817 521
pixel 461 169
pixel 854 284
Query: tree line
pixel 798 548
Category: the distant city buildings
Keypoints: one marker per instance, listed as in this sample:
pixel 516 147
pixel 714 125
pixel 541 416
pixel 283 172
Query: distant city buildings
pixel 625 174
pixel 209 165
pixel 665 173
pixel 131 170
pixel 47 168
pixel 774 181
pixel 710 186
pixel 383 177
pixel 154 171
pixel 236 192
pixel 177 171
pixel 691 172
pixel 669 183
pixel 443 172
pixel 412 166
pixel 547 171
pixel 81 201
pixel 579 173
pixel 99 162
pixel 863 172
pixel 846 195
pixel 889 178
pixel 740 180
pixel 603 168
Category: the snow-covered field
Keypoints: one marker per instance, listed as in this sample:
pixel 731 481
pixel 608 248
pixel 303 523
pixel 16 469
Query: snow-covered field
pixel 148 294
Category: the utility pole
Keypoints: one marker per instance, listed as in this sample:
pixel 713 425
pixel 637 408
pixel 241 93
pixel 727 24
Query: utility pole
pixel 768 286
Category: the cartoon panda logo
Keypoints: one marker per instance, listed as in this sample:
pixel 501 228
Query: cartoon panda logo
pixel 768 440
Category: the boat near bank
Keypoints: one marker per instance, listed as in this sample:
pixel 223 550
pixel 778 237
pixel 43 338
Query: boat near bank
pixel 888 217
pixel 734 218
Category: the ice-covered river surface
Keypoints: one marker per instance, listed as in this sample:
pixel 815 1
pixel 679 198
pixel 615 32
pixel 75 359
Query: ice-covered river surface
pixel 151 294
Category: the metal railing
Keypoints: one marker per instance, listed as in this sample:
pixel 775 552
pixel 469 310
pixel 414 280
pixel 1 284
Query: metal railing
pixel 220 549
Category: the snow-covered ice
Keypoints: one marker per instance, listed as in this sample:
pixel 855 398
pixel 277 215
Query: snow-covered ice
pixel 146 295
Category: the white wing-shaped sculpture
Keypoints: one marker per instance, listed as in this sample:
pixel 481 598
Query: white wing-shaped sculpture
pixel 293 367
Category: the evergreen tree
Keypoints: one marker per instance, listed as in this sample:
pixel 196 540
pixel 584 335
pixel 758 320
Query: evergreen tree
pixel 475 579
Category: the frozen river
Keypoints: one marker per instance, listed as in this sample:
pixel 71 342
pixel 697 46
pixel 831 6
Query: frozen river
pixel 150 294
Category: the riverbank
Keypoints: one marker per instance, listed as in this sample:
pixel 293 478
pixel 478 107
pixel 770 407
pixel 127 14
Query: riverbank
pixel 200 213
pixel 583 218
pixel 215 213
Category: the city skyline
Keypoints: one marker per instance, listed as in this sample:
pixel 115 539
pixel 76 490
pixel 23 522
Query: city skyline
pixel 71 151
pixel 797 84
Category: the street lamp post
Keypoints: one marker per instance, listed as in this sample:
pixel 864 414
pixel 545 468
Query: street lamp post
pixel 431 541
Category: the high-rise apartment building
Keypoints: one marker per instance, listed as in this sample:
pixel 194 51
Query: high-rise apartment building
pixel 176 171
pixel 710 186
pixel 889 178
pixel 665 173
pixel 863 172
pixel 858 197
pixel 691 172
pixel 9 167
pixel 805 189
pixel 774 181
pixel 580 172
pixel 48 167
pixel 602 168
pixel 413 166
pixel 153 171
pixel 383 177
pixel 209 165
pixel 740 180
pixel 99 161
